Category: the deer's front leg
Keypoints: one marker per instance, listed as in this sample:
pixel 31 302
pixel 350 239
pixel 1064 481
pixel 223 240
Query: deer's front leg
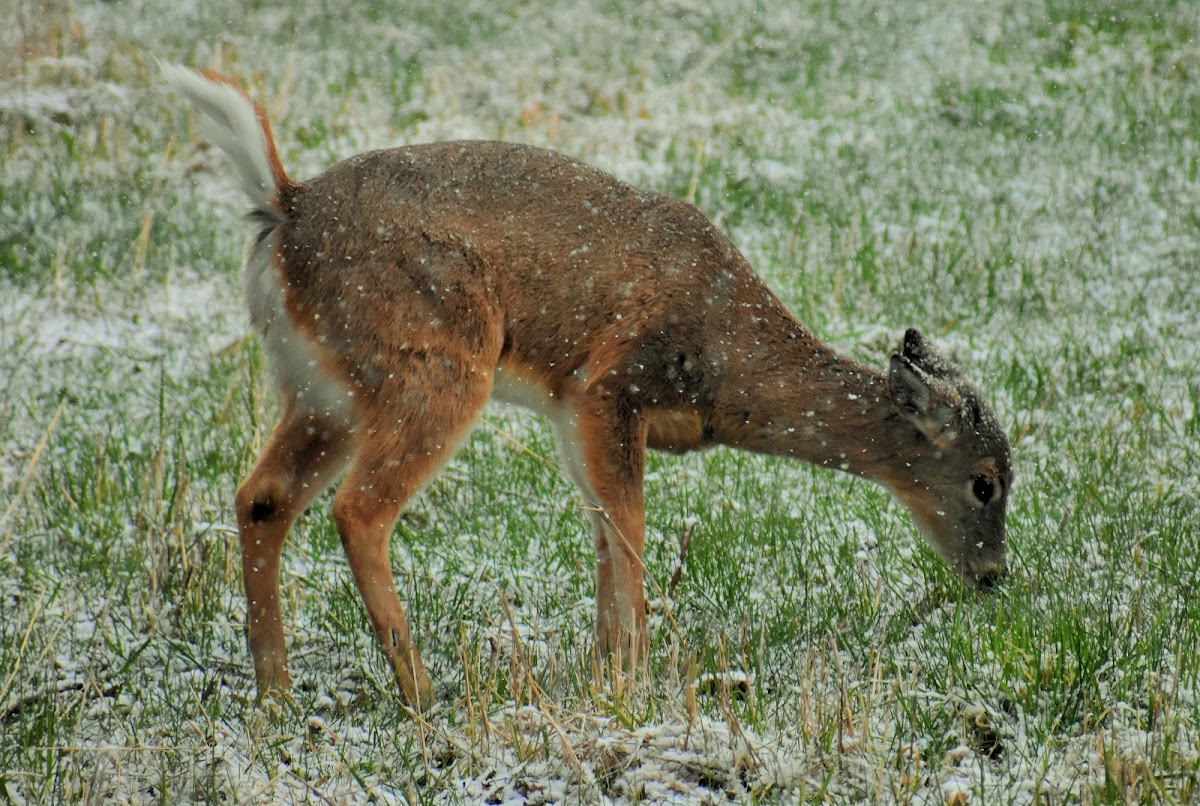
pixel 605 451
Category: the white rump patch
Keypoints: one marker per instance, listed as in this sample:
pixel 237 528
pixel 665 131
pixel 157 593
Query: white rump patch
pixel 290 355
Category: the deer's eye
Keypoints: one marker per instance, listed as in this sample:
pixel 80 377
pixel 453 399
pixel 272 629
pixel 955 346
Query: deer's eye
pixel 983 489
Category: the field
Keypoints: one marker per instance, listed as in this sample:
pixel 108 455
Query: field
pixel 1018 179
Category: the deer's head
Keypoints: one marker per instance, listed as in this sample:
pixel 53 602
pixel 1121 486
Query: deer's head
pixel 956 470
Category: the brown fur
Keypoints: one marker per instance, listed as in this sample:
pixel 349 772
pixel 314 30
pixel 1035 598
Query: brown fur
pixel 417 274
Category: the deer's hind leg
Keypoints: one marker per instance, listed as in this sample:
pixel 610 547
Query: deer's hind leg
pixel 410 429
pixel 302 456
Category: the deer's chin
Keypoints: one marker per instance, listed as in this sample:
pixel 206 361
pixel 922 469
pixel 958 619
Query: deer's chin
pixel 985 575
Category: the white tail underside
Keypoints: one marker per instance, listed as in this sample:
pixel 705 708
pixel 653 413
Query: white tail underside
pixel 231 122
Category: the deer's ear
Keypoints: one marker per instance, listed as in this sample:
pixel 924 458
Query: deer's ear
pixel 909 385
pixel 924 401
pixel 914 346
pixel 921 354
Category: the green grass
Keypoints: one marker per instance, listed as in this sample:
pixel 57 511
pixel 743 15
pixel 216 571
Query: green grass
pixel 1020 183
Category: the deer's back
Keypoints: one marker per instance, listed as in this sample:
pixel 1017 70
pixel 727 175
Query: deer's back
pixel 550 264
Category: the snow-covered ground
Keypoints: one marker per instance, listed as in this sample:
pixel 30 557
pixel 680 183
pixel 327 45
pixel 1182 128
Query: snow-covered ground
pixel 1019 179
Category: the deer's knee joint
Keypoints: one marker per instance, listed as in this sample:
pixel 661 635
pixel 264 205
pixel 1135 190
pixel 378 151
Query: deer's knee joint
pixel 261 500
pixel 257 504
pixel 262 510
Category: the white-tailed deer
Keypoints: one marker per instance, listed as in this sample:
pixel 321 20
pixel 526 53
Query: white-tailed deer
pixel 401 289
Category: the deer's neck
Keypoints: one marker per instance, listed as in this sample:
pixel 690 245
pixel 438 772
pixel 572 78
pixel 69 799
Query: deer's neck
pixel 790 395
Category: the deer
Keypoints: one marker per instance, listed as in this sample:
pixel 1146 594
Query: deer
pixel 398 292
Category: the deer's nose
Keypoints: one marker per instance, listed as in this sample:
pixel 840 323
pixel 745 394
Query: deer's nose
pixel 986 580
